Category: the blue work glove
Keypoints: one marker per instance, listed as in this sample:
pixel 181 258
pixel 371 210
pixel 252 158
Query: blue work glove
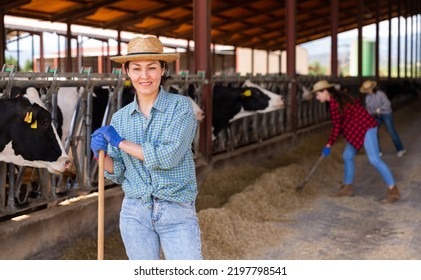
pixel 326 151
pixel 98 142
pixel 112 136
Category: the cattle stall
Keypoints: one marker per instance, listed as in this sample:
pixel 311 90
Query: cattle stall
pixel 25 189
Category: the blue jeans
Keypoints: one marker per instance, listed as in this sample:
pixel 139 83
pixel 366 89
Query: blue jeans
pixel 387 119
pixel 174 226
pixel 371 146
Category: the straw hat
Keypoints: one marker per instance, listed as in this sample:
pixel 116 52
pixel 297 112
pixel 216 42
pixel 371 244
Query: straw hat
pixel 367 86
pixel 321 85
pixel 145 48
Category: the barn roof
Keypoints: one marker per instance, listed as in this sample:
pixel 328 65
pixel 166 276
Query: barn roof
pixel 258 24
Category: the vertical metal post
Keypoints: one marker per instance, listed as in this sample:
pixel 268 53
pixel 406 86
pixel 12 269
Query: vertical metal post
pixel 2 185
pixel 389 51
pixel 377 61
pixel 41 52
pixel 202 39
pixel 252 62
pixel 291 61
pixel 406 39
pixel 88 136
pixel 2 38
pixel 11 198
pixel 417 37
pixel 360 38
pixel 69 48
pixel 267 62
pixel 18 50
pixel 334 31
pixel 235 60
pixel 411 60
pixel 399 39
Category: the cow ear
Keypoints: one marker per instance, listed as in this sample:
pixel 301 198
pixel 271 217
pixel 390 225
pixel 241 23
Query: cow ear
pixel 31 113
pixel 246 93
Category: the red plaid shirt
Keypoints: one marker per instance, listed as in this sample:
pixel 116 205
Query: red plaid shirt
pixel 353 123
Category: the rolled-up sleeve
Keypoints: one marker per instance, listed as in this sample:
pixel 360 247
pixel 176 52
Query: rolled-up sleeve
pixel 118 175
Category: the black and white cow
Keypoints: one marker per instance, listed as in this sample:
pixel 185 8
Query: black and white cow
pixel 16 92
pixel 27 136
pixel 67 99
pixel 198 112
pixel 230 103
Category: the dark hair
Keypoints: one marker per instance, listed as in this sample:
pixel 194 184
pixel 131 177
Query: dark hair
pixel 342 97
pixel 164 65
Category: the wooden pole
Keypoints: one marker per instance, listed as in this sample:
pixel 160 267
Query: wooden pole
pixel 101 205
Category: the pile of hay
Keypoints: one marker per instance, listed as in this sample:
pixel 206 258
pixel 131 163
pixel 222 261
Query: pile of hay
pixel 253 214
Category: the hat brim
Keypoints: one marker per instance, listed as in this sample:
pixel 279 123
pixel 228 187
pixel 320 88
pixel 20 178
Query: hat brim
pixel 323 88
pixel 365 90
pixel 167 57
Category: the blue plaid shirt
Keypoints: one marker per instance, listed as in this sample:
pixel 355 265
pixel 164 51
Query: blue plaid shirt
pixel 168 170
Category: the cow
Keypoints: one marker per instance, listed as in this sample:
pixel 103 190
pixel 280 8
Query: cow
pixel 27 136
pixel 67 101
pixel 16 92
pixel 230 103
pixel 198 112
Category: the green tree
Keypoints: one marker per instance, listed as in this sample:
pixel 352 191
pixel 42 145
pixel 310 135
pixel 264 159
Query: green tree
pixel 11 60
pixel 28 66
pixel 315 68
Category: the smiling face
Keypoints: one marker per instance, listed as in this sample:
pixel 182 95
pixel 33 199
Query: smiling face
pixel 323 96
pixel 146 76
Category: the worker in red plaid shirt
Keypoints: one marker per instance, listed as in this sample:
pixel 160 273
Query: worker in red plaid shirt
pixel 359 128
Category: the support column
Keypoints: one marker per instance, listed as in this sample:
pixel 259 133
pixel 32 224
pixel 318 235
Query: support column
pixel 406 40
pixel 389 50
pixel 202 39
pixel 290 12
pixel 377 60
pixel 2 38
pixel 399 40
pixel 334 31
pixel 69 48
pixel 41 52
pixel 360 39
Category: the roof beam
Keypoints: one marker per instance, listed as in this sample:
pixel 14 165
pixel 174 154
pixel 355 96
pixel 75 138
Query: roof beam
pixel 139 16
pixel 246 26
pixel 81 11
pixel 189 18
pixel 8 5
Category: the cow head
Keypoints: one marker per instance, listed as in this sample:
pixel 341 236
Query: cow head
pixel 28 137
pixel 276 101
pixel 253 99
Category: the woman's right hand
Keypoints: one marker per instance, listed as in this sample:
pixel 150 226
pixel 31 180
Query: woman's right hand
pixel 98 141
pixel 326 151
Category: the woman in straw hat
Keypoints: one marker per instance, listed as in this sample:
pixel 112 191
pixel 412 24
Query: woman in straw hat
pixel 359 128
pixel 378 105
pixel 149 153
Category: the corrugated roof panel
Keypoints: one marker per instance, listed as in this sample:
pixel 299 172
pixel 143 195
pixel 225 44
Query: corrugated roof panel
pixel 105 14
pixel 173 18
pixel 51 6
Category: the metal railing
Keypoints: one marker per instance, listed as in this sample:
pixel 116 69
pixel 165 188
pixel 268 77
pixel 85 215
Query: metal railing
pixel 24 189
